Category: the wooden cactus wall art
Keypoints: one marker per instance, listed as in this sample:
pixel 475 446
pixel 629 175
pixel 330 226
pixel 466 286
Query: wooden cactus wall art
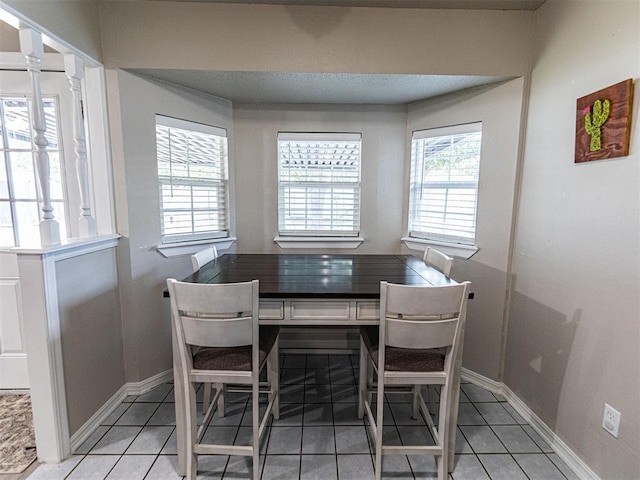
pixel 603 123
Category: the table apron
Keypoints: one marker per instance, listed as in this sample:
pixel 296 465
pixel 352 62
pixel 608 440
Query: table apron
pixel 329 312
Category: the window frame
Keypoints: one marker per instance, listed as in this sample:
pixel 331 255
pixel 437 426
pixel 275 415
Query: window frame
pixel 177 241
pixel 465 246
pixel 303 238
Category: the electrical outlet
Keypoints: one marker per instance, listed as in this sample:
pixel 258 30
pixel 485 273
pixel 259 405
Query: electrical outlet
pixel 611 420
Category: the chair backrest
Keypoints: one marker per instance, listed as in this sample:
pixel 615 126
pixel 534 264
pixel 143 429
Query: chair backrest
pixel 214 315
pixel 438 260
pixel 203 257
pixel 422 316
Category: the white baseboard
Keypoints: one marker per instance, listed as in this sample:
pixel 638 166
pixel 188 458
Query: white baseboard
pixel 131 388
pixel 574 462
pixel 138 388
pixel 94 422
pixel 482 381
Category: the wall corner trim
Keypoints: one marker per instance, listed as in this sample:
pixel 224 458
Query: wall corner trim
pixel 96 420
pixel 130 388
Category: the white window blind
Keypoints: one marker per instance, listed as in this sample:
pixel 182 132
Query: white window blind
pixel 445 165
pixel 193 180
pixel 319 184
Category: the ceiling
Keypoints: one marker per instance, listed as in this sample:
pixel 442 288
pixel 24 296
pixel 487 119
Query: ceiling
pixel 278 87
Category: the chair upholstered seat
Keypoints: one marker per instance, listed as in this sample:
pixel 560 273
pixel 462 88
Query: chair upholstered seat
pixel 236 358
pixel 401 359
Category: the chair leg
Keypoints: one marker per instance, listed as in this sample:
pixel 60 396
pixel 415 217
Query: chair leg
pixel 273 376
pixel 206 397
pixel 362 381
pixel 441 462
pixel 191 432
pixel 416 402
pixel 432 400
pixel 379 426
pixel 444 413
pixel 255 414
pixel 222 399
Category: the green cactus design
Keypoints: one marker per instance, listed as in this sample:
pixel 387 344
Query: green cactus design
pixel 593 120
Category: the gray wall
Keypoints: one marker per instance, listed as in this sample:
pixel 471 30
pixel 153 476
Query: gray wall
pixel 142 270
pixel 574 334
pixel 91 331
pixel 499 108
pixel 279 38
pixel 256 129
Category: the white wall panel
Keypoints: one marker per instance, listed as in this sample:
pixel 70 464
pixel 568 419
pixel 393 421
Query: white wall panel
pixel 13 356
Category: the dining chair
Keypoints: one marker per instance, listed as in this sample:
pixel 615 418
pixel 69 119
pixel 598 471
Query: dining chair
pixel 203 257
pixel 218 340
pixel 198 259
pixel 442 263
pixel 438 260
pixel 418 342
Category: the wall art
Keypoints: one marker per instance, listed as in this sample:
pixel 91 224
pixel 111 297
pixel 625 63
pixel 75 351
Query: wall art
pixel 603 123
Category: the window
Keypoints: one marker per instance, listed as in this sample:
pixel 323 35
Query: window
pixel 445 164
pixel 20 195
pixel 319 184
pixel 193 180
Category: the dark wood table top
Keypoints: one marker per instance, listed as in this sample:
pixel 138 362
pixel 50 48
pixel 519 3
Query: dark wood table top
pixel 319 276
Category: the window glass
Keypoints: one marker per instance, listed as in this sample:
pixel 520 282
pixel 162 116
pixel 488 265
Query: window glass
pixel 6 224
pixel 20 196
pixel 193 180
pixel 28 222
pixel 445 166
pixel 319 184
pixel 16 121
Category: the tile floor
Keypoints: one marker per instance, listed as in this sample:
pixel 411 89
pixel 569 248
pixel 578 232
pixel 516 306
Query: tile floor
pixel 318 435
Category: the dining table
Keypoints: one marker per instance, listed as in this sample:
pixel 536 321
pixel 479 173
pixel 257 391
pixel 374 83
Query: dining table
pixel 320 290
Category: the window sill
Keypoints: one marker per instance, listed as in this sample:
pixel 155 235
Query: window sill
pixel 181 249
pixel 455 250
pixel 319 242
pixel 69 248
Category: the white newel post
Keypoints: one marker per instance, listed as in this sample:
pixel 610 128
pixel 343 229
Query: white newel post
pixel 74 69
pixel 33 50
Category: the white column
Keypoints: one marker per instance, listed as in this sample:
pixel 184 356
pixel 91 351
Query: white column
pixel 74 68
pixel 33 50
